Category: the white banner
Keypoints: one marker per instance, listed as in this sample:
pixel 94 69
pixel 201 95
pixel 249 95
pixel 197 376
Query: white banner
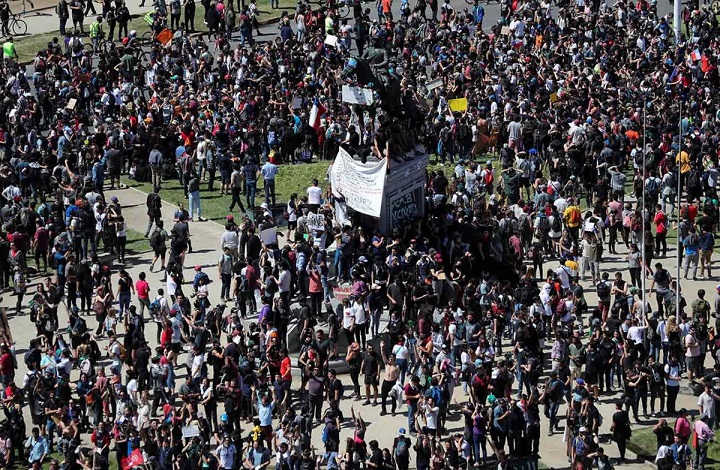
pixel 357 95
pixel 362 185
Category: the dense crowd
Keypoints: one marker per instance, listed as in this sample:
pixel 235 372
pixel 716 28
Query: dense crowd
pixel 603 133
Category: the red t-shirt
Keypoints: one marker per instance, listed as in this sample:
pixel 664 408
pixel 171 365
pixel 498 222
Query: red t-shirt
pixel 6 364
pixel 143 289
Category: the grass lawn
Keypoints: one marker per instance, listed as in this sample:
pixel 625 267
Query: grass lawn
pixel 136 242
pixel 291 179
pixel 29 45
pixel 644 444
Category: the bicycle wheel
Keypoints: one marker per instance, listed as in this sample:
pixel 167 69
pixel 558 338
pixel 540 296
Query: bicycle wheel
pixel 715 7
pixel 146 37
pixel 19 27
pixel 88 47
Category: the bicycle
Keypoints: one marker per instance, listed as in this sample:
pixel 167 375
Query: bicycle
pixel 17 25
pixel 104 46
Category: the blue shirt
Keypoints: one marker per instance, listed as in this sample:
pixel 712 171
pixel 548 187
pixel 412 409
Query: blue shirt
pixel 38 447
pixel 265 413
pixel 269 170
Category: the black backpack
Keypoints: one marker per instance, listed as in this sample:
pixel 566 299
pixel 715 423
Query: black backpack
pixel 156 239
pixel 603 290
pixel 693 180
pixel 556 224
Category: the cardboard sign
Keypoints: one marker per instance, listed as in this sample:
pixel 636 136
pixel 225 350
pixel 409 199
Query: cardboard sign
pixel 553 97
pixel 505 31
pixel 357 95
pixel 458 104
pixel 71 104
pixel 190 431
pixel 404 209
pixel 316 222
pixel 331 40
pixel 297 103
pixel 433 84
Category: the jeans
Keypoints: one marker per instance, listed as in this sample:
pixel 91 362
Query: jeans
pixel 403 365
pixel 479 443
pixel 123 302
pixel 551 413
pixel 251 186
pixel 225 289
pixel 691 261
pixel 316 402
pixel 236 200
pixel 195 204
pixel 270 191
pixel 412 409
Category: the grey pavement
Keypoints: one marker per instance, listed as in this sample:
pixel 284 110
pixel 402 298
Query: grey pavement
pixel 205 237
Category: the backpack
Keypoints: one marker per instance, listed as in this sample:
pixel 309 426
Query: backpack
pixel 542 228
pixel 325 434
pixel 651 186
pixel 80 327
pixel 156 239
pixel 154 306
pixel 693 180
pixel 602 289
pixel 574 216
pixel 489 177
pixel 243 284
pixel 401 449
pixel 556 224
pixel 77 45
pixel 123 352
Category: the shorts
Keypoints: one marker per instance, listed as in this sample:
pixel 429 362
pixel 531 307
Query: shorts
pixel 159 252
pixel 690 362
pixel 292 225
pixel 591 377
pixel 371 380
pixel 175 347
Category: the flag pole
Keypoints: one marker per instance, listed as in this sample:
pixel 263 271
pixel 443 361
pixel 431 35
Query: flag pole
pixel 679 197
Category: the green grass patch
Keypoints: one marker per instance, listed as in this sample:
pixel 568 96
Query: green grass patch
pixel 644 444
pixel 136 242
pixel 290 179
pixel 29 45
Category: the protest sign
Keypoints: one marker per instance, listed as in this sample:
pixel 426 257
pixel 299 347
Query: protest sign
pixel 357 95
pixel 458 104
pixel 361 185
pixel 316 222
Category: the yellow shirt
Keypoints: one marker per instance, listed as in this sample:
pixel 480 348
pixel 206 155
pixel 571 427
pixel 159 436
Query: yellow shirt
pixel 567 215
pixel 684 160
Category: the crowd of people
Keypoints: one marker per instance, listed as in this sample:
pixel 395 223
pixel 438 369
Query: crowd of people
pixel 602 133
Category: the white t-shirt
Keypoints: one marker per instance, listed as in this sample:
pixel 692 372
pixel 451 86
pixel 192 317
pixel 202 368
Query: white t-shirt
pixel 348 315
pixel 360 316
pixel 197 364
pixel 432 414
pixel 314 195
pixel 400 351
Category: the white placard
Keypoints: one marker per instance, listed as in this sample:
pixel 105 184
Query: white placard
pixel 356 95
pixel 362 185
pixel 331 40
pixel 315 222
pixel 269 236
pixel 190 431
pixel 431 85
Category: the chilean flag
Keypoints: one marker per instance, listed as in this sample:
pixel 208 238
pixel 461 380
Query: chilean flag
pixel 316 113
